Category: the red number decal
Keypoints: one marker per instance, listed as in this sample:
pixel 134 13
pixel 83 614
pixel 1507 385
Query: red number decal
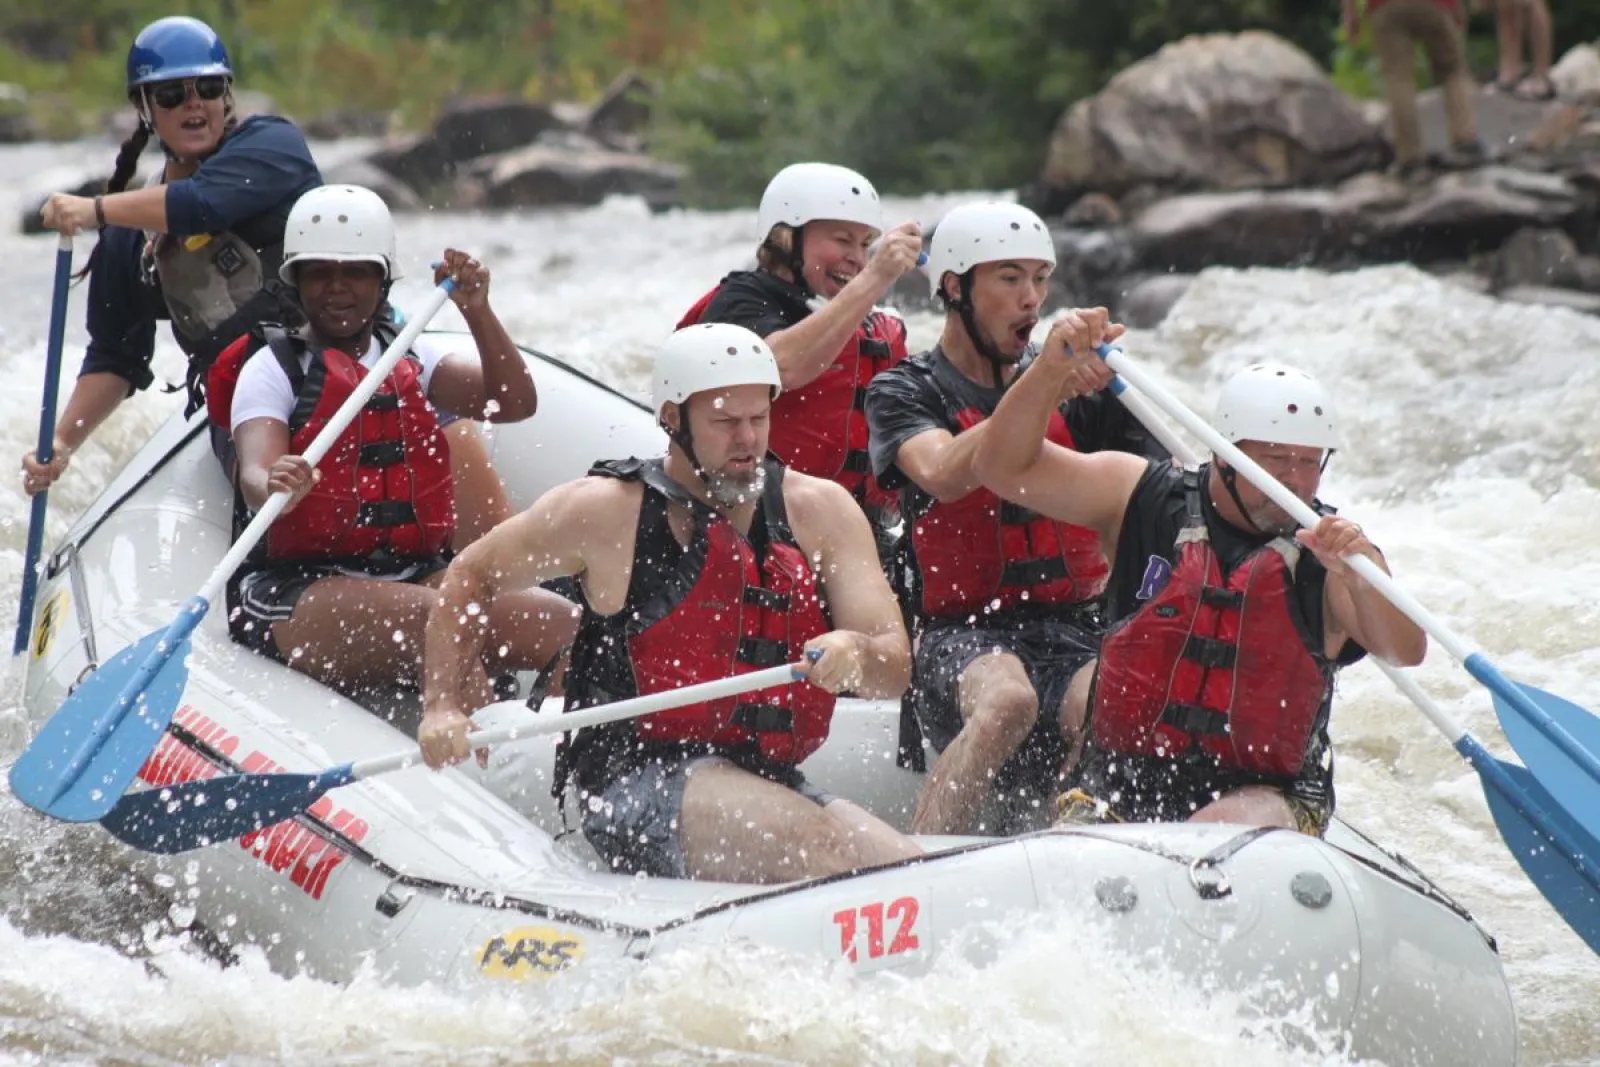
pixel 905 938
pixel 876 916
pixel 846 921
pixel 873 913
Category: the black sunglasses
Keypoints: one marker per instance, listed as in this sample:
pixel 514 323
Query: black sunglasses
pixel 168 95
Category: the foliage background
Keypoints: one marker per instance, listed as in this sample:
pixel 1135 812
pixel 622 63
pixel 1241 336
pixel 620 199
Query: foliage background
pixel 922 94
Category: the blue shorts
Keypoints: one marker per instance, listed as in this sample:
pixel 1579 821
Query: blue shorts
pixel 633 823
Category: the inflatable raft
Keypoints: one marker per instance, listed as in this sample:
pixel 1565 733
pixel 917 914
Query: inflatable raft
pixel 466 877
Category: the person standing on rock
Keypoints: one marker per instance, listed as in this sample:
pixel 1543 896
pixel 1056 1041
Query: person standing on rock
pixel 199 245
pixel 1398 26
pixel 1514 19
pixel 1006 602
pixel 813 297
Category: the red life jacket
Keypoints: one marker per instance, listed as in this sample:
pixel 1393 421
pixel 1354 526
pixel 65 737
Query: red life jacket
pixel 821 429
pixel 981 553
pixel 722 612
pixel 386 484
pixel 1217 664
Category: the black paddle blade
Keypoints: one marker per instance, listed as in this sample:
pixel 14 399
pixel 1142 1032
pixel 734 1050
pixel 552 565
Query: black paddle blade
pixel 192 815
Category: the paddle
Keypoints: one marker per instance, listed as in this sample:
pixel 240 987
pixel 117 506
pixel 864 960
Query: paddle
pixel 86 755
pixel 1529 817
pixel 47 439
pixel 194 814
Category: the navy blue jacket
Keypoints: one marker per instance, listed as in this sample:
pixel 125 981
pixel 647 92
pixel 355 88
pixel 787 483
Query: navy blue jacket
pixel 254 178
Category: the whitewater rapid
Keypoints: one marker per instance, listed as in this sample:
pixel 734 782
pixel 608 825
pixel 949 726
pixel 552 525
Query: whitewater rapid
pixel 1472 461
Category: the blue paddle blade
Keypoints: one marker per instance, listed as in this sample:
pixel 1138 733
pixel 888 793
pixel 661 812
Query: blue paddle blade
pixel 1563 777
pixel 44 776
pixel 190 815
pixel 1570 882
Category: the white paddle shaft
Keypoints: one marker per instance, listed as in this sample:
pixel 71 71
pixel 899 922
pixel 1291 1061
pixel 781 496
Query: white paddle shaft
pixel 597 716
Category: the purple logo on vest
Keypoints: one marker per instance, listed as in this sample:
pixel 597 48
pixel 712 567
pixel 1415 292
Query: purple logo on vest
pixel 1156 575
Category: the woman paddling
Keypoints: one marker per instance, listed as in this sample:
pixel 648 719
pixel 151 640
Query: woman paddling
pixel 200 245
pixel 341 587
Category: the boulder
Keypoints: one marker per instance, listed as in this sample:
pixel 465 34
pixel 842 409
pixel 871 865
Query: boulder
pixel 1258 227
pixel 397 194
pixel 1460 214
pixel 1588 303
pixel 1144 304
pixel 1576 75
pixel 623 110
pixel 544 175
pixel 349 123
pixel 1211 112
pixel 476 128
pixel 1090 264
pixel 1537 256
pixel 415 160
pixel 1369 218
pixel 16 124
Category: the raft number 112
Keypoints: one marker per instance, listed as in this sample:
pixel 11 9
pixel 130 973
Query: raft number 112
pixel 875 920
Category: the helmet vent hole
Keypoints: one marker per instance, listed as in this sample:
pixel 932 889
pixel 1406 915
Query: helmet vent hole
pixel 316 218
pixel 344 218
pixel 1016 225
pixel 1294 408
pixel 732 351
pixel 1317 409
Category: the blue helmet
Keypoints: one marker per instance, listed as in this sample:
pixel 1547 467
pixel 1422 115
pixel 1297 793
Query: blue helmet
pixel 176 47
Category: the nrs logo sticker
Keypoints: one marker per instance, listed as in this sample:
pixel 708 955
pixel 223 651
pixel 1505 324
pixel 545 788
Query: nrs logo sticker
pixel 49 619
pixel 529 952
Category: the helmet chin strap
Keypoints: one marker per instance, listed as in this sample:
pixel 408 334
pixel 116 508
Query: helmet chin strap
pixel 980 341
pixel 1230 482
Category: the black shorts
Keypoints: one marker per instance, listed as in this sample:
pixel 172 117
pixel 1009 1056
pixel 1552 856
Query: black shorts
pixel 1152 789
pixel 634 822
pixel 1052 649
pixel 264 595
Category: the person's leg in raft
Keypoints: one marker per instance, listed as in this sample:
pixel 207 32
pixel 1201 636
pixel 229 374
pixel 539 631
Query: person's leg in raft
pixel 351 633
pixel 739 827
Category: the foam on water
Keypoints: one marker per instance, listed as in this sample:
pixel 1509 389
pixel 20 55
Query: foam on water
pixel 1472 459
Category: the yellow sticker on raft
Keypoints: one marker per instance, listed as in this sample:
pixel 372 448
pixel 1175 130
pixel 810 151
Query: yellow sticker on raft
pixel 49 616
pixel 529 952
pixel 197 242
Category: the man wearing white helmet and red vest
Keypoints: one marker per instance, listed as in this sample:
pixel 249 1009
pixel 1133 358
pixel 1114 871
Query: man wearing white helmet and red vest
pixel 339 588
pixel 1007 601
pixel 814 298
pixel 1211 696
pixel 709 562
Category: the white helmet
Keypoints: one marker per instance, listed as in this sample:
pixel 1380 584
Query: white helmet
pixel 1277 404
pixel 986 233
pixel 712 355
pixel 342 224
pixel 803 192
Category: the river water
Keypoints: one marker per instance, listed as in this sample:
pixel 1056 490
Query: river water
pixel 1473 461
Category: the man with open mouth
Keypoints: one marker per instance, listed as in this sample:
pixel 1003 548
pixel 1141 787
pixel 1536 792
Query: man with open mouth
pixel 1007 602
